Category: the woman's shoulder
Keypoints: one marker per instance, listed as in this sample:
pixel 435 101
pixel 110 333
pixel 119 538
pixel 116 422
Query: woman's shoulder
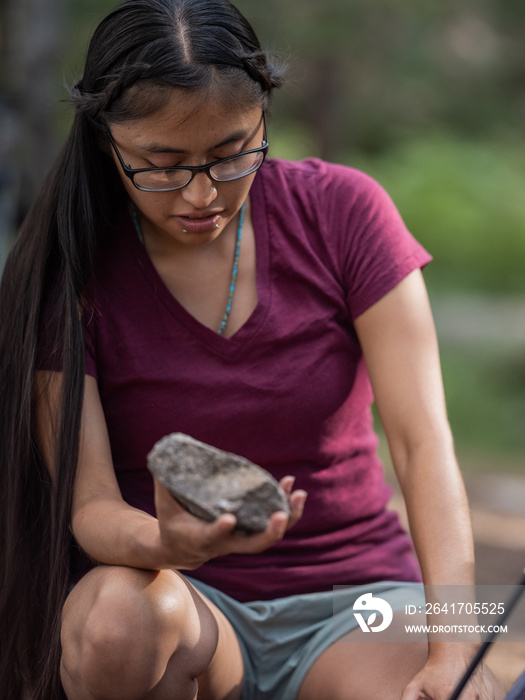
pixel 318 178
pixel 315 168
pixel 314 184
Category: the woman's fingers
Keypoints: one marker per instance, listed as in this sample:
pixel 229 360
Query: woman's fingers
pixel 286 483
pixel 220 528
pixel 297 501
pixel 278 524
pixel 193 539
pixel 242 543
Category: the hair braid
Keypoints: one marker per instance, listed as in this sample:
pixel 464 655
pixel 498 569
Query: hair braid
pixel 263 69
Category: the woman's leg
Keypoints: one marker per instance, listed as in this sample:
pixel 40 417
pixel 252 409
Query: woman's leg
pixel 129 634
pixel 353 669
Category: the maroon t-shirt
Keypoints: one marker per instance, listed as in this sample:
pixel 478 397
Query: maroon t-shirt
pixel 289 390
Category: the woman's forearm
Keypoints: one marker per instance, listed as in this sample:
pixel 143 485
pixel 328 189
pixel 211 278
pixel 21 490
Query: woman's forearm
pixel 112 532
pixel 439 521
pixel 438 514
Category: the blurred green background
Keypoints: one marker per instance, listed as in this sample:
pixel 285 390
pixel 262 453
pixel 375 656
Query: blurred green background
pixel 428 96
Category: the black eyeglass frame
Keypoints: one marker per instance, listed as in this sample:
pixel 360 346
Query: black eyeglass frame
pixel 193 169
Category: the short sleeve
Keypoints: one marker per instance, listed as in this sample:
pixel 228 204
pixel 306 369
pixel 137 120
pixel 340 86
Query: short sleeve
pixel 375 249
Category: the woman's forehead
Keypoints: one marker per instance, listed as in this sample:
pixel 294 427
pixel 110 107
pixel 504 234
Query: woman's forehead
pixel 190 119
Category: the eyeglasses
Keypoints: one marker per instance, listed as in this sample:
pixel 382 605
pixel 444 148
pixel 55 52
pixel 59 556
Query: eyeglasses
pixel 177 177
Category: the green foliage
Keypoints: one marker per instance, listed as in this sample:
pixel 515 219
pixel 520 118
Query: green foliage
pixel 84 16
pixel 464 201
pixel 485 400
pixel 364 75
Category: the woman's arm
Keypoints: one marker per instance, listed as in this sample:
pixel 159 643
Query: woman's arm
pixel 111 531
pixel 401 351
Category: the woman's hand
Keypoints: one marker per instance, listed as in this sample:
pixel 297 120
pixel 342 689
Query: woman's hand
pixel 188 542
pixel 439 677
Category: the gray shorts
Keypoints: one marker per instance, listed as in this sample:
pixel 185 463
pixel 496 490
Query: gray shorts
pixel 280 639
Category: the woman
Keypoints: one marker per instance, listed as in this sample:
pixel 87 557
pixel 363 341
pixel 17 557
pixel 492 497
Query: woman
pixel 167 280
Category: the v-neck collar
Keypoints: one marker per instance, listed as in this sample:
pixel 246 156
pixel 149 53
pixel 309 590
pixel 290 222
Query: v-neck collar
pixel 226 346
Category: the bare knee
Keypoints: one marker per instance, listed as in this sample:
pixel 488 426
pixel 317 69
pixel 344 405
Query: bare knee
pixel 128 633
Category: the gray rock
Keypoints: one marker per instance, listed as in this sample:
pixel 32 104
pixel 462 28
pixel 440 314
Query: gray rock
pixel 209 482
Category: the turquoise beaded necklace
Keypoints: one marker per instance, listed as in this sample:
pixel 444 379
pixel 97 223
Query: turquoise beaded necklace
pixel 224 323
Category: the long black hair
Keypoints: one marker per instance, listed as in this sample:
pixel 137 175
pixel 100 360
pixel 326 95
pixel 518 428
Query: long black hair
pixel 138 53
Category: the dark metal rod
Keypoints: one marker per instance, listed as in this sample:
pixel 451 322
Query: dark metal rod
pixel 510 605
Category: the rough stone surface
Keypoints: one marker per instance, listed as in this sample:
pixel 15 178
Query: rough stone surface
pixel 209 482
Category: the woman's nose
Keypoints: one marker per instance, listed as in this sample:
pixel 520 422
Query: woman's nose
pixel 200 192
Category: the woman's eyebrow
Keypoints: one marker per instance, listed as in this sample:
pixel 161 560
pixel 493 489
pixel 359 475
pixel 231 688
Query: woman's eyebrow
pixel 240 135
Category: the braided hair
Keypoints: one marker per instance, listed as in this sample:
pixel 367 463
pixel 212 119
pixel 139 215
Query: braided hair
pixel 138 54
pixel 152 45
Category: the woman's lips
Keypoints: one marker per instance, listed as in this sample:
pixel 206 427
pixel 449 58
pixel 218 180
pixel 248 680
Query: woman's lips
pixel 199 225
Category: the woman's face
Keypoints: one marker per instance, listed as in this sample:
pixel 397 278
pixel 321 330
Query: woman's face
pixel 188 131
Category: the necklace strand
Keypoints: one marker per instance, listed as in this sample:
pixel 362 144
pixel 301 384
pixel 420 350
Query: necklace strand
pixel 225 318
pixel 234 273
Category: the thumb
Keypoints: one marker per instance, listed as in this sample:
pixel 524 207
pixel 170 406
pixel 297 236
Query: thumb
pixel 165 503
pixel 414 691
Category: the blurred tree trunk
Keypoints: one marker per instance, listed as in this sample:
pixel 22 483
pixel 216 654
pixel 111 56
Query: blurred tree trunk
pixel 31 32
pixel 323 113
